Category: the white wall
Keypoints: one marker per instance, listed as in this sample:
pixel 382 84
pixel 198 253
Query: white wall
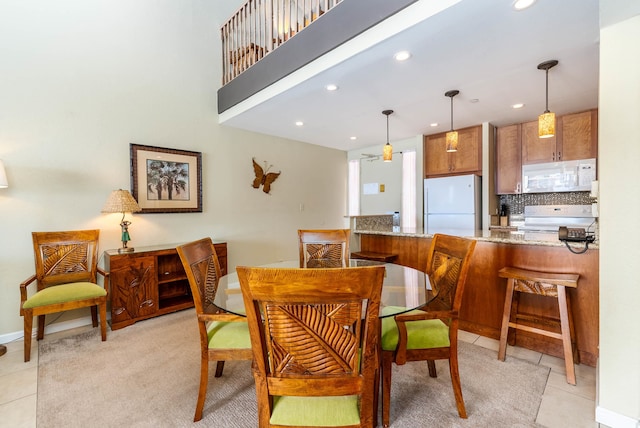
pixel 81 80
pixel 389 174
pixel 618 157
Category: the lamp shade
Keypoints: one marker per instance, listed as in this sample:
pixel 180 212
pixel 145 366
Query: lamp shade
pixel 387 153
pixel 452 141
pixel 547 125
pixel 121 201
pixel 4 183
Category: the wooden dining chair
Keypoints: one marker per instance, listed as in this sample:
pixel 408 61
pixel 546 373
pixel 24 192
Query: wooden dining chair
pixel 315 356
pixel 66 268
pixel 431 333
pixel 223 336
pixel 324 248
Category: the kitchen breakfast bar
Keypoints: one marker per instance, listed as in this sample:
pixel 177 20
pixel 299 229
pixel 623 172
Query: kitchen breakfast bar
pixel 484 295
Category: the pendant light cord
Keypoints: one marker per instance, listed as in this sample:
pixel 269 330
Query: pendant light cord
pixel 547 94
pixel 451 113
pixel 387 129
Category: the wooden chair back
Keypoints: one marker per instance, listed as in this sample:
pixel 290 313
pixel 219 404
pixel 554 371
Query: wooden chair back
pixel 324 248
pixel 64 257
pixel 202 267
pixel 314 332
pixel 448 264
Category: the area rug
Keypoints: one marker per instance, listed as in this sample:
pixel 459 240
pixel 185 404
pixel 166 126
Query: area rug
pixel 147 374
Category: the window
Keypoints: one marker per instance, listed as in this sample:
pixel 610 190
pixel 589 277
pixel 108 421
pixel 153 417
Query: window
pixel 354 187
pixel 408 189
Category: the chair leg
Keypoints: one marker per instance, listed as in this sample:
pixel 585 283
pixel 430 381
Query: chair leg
pixel 28 325
pixel 506 315
pixel 455 381
pixel 566 336
pixel 219 368
pixel 103 321
pixel 432 368
pixel 40 327
pixel 202 391
pixel 386 387
pixel 94 316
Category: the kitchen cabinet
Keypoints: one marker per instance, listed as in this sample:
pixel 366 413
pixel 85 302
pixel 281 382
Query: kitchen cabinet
pixel 467 160
pixel 576 138
pixel 149 282
pixel 579 135
pixel 509 160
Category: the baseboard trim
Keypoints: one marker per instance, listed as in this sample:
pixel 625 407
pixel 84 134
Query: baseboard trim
pixel 52 328
pixel 615 420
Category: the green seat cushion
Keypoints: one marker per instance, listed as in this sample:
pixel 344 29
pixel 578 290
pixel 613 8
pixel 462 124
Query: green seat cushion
pixel 228 335
pixel 63 293
pixel 423 334
pixel 316 411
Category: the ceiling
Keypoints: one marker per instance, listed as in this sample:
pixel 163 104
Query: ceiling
pixel 483 48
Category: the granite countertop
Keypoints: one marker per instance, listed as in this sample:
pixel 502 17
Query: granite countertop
pixel 494 235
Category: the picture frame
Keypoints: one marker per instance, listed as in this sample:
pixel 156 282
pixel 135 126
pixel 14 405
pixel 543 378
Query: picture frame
pixel 166 180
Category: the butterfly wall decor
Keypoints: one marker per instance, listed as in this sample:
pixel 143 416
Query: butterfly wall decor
pixel 263 176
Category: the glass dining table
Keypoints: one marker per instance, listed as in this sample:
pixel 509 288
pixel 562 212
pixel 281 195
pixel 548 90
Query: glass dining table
pixel 403 288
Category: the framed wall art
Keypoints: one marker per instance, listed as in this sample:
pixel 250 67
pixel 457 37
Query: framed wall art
pixel 166 180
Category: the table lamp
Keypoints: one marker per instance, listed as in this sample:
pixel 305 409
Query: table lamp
pixel 121 201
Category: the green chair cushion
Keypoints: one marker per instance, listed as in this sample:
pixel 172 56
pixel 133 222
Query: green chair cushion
pixel 228 335
pixel 424 334
pixel 63 293
pixel 316 411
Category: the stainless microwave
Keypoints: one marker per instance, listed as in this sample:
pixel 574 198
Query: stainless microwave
pixel 566 176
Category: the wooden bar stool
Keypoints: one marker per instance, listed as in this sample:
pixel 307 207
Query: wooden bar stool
pixel 544 284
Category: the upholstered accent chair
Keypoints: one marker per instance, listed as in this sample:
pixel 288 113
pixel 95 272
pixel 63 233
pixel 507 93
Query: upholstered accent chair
pixel 432 332
pixel 324 248
pixel 223 336
pixel 66 266
pixel 314 334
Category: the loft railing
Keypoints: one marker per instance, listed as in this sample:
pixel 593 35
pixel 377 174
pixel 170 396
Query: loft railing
pixel 260 26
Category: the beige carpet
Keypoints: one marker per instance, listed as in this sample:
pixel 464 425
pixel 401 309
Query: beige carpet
pixel 146 375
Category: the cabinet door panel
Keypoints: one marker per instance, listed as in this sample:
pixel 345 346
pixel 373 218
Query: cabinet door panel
pixel 135 290
pixel 436 158
pixel 534 148
pixel 467 158
pixel 579 135
pixel 508 160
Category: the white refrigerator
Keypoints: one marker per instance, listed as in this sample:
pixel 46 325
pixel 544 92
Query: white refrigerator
pixel 452 205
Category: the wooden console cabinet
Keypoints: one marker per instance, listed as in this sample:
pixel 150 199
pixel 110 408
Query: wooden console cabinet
pixel 149 281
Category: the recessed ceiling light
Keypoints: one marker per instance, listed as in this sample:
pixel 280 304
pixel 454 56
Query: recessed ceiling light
pixel 518 105
pixel 353 138
pixel 522 4
pixel 402 56
pixel 434 124
pixel 331 87
pixel 299 123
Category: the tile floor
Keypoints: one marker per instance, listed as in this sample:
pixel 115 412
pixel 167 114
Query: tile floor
pixel 562 404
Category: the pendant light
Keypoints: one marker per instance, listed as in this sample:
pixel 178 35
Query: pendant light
pixel 387 151
pixel 452 136
pixel 547 120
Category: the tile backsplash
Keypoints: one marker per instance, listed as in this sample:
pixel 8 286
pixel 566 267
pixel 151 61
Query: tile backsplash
pixel 516 203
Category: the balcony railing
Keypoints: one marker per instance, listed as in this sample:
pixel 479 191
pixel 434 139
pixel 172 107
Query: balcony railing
pixel 260 26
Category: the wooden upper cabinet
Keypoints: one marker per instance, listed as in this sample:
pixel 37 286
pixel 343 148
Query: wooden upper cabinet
pixel 467 160
pixel 436 158
pixel 534 148
pixel 509 160
pixel 576 138
pixel 579 135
